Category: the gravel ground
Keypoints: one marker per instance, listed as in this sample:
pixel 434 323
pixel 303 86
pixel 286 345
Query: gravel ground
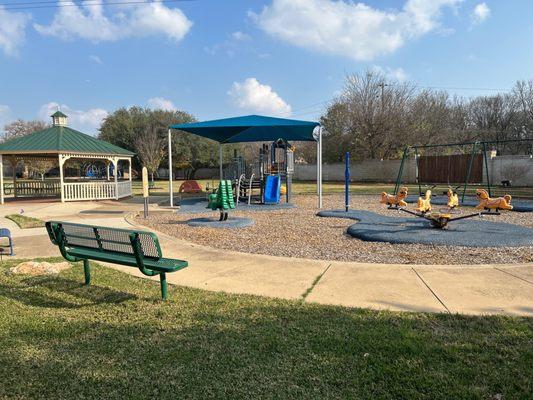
pixel 300 233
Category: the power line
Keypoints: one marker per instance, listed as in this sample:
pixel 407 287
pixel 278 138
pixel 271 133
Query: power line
pixel 70 3
pixel 296 112
pixel 455 88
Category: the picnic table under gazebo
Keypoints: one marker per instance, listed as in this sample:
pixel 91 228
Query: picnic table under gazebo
pixel 54 147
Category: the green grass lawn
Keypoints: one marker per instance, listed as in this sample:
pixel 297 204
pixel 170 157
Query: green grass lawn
pixel 299 187
pixel 25 222
pixel 116 339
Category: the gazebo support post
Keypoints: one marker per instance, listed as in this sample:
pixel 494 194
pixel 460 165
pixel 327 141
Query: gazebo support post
pixel 14 165
pixel 1 179
pixel 220 161
pixel 115 174
pixel 107 169
pixel 170 182
pixel 61 177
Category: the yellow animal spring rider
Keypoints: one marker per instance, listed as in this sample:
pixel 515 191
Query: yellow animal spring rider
pixel 440 219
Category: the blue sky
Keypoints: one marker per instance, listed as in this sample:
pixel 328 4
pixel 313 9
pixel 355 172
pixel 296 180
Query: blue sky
pixel 217 58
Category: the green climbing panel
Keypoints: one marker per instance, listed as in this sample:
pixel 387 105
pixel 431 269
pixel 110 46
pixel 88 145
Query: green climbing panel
pixel 222 199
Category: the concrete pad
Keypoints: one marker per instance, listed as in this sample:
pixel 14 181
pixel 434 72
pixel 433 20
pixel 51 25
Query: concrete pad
pixel 273 278
pixel 479 290
pixel 395 288
pixel 522 271
pixel 234 272
pixel 34 246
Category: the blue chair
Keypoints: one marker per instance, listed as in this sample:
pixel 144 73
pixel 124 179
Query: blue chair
pixel 4 232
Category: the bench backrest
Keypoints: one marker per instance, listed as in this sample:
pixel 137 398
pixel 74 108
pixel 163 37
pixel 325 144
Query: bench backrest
pixel 105 239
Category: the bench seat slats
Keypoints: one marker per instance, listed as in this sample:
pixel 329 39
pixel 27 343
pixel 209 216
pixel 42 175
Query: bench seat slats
pixel 162 265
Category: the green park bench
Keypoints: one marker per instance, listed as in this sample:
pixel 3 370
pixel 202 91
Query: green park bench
pixel 139 249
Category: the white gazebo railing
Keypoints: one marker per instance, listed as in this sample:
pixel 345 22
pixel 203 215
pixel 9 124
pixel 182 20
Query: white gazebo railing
pixel 124 189
pixel 97 190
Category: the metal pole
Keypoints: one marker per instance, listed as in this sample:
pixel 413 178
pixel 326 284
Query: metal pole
pixel 347 182
pixel 320 168
pixel 470 163
pixel 220 161
pixel 486 167
pixel 400 171
pixel 170 178
pixel 417 166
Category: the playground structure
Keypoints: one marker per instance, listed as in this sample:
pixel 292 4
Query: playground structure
pixel 440 219
pixel 460 165
pixel 256 128
pixel 262 181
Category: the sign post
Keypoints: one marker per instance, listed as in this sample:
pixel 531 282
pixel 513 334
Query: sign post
pixel 146 193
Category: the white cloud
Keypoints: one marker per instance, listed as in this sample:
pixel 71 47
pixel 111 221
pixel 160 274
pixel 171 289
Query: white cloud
pixel 160 103
pixel 481 13
pixel 253 96
pixel 5 116
pixel 86 121
pixel 95 59
pixel 231 45
pixel 349 29
pixel 12 30
pixel 89 21
pixel 393 74
pixel 241 36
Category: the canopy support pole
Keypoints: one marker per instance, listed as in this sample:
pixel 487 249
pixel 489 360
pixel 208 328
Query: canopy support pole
pixel 319 167
pixel 170 183
pixel 220 161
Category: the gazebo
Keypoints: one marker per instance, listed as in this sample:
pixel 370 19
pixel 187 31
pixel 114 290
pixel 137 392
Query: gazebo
pixel 52 148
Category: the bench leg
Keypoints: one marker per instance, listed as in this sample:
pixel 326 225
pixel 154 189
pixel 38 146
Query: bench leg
pixel 87 271
pixel 164 289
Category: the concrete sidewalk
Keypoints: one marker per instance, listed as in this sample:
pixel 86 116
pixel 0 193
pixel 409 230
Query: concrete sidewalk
pixel 484 289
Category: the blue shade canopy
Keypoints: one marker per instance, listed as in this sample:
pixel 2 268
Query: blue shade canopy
pixel 251 128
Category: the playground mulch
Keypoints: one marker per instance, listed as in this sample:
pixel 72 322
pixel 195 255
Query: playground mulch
pixel 298 232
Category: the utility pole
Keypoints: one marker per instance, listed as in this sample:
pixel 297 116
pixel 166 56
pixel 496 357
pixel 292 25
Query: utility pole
pixel 382 86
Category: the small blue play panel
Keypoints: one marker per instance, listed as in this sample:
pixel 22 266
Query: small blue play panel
pixel 470 201
pixel 373 227
pixel 230 223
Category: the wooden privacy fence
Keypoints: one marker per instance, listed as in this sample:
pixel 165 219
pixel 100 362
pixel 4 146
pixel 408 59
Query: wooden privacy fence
pixel 450 169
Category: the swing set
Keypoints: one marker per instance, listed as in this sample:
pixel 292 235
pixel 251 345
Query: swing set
pixel 477 171
pixel 458 165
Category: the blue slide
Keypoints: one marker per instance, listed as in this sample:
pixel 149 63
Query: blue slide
pixel 272 189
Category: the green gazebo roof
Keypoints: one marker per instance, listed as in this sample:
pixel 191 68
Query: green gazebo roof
pixel 61 139
pixel 58 114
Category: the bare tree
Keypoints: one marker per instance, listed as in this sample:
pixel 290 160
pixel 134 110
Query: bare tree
pixel 149 146
pixel 374 114
pixel 21 128
pixel 41 166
